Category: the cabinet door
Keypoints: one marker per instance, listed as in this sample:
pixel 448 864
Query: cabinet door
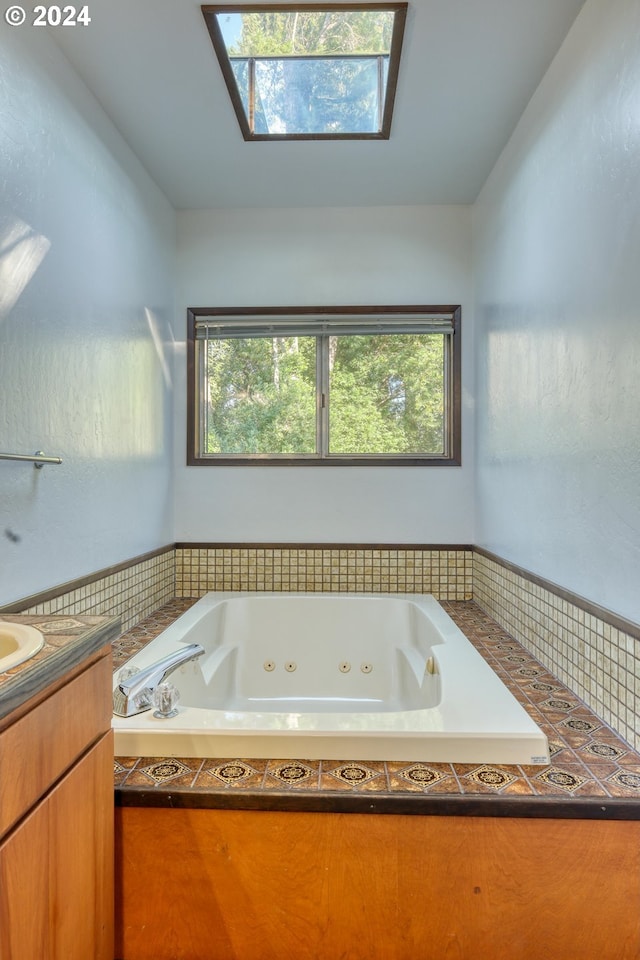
pixel 37 749
pixel 56 870
pixel 24 889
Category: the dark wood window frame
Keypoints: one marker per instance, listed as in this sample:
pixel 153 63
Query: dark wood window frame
pixel 210 11
pixel 452 409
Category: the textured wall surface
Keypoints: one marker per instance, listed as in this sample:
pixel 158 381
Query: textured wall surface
pixel 557 254
pixel 382 255
pixel 86 297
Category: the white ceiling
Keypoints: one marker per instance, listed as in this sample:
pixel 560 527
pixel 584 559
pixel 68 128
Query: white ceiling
pixel 467 71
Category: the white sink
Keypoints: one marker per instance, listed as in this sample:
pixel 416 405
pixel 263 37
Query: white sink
pixel 18 642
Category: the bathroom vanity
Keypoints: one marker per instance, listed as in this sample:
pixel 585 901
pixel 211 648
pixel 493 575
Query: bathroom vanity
pixel 56 795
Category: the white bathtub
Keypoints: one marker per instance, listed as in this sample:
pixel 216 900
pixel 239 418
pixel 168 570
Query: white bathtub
pixel 330 676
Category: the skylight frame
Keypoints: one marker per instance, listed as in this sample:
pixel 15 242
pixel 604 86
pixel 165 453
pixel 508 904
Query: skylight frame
pixel 210 11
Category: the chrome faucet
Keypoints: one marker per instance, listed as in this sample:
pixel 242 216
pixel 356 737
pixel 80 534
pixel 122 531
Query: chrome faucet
pixel 133 695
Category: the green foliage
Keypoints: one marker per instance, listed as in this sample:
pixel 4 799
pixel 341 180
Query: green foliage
pixel 326 32
pixel 386 395
pixel 261 396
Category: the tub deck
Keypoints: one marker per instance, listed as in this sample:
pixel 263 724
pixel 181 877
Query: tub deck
pixel 593 773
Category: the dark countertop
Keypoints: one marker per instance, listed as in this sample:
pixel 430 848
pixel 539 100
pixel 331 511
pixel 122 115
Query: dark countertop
pixel 69 640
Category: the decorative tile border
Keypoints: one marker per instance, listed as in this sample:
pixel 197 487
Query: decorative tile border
pixel 594 655
pixel 446 572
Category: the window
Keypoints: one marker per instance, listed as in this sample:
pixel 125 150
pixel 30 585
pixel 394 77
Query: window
pixel 324 386
pixel 310 71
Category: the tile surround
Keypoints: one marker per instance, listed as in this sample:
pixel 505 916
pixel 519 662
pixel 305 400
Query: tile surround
pixel 130 591
pixel 589 762
pixel 597 659
pixel 593 655
pixel 134 639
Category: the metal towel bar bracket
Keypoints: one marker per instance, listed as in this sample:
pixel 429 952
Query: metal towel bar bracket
pixel 38 458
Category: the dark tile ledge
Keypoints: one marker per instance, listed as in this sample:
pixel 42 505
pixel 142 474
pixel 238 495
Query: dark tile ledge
pixel 593 773
pixel 69 640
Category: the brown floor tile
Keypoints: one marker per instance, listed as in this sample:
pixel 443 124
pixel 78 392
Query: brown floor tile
pixel 624 782
pixel 570 780
pixel 560 702
pixel 122 767
pixel 447 787
pixel 515 688
pixel 579 731
pixel 602 749
pixel 541 689
pixel 231 774
pixel 538 717
pixel 492 778
pixel 552 717
pixel 573 739
pixel 354 776
pixel 631 759
pixel 422 778
pixel 600 771
pixel 292 775
pixel 560 753
pixel 158 772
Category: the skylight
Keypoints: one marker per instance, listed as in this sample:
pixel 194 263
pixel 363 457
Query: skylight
pixel 311 71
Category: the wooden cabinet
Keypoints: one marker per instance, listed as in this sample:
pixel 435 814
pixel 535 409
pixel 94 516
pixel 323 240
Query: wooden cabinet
pixel 56 855
pixel 270 885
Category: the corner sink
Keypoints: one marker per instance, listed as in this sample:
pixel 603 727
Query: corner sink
pixel 18 642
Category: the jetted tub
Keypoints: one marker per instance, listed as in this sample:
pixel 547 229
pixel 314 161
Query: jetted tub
pixel 330 676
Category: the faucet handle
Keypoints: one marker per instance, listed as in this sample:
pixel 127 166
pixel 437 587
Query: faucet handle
pixel 165 698
pixel 143 699
pixel 127 672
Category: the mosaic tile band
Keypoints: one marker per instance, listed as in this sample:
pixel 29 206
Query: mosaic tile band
pixel 595 657
pixel 445 573
pixel 131 593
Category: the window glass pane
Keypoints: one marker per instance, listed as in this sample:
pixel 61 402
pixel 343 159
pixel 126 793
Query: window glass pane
pixel 260 396
pixel 300 31
pixel 386 394
pixel 333 95
pixel 241 73
pixel 309 73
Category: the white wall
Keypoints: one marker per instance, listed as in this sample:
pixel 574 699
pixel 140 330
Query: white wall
pixel 557 267
pixel 312 257
pixel 86 295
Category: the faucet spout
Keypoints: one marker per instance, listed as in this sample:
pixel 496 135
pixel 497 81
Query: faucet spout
pixel 133 695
